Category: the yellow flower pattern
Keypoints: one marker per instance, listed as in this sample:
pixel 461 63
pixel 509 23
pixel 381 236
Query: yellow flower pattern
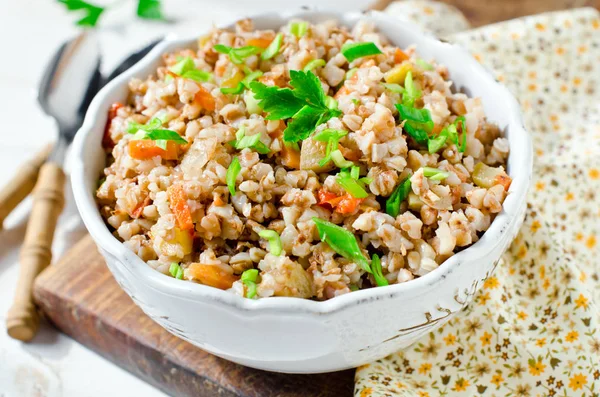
pixel 534 327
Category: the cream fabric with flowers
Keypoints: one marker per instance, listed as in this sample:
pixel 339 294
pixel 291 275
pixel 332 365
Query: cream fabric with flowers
pixel 534 328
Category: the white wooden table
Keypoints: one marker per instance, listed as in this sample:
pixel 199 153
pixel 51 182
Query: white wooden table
pixel 53 364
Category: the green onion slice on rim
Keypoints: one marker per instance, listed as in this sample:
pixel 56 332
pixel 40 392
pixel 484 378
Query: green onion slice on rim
pixel 232 173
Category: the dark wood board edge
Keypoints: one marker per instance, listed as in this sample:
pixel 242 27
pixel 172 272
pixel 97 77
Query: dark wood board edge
pixel 81 298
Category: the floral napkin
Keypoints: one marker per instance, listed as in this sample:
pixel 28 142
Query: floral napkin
pixel 534 328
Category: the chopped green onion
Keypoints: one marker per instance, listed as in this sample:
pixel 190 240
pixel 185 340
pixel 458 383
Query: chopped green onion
pixel 184 65
pixel 197 75
pixel 417 133
pixel 355 172
pixel 424 65
pixel 315 63
pixel 411 92
pixel 400 193
pixel 237 55
pixel 223 49
pixel 273 48
pixel 365 180
pixel 299 29
pixel 377 272
pixel 332 137
pixel 330 102
pixel 339 160
pixel 232 174
pixel 434 174
pixel 251 77
pixel 435 144
pixel 355 101
pixel 233 90
pixel 351 73
pixel 168 78
pixel 272 237
pixel 396 88
pixel 453 131
pixel 176 270
pixel 352 186
pixel 341 241
pixel 251 142
pixel 354 51
pixel 329 134
pixel 252 104
pixel 153 132
pixel 249 278
pixel 414 114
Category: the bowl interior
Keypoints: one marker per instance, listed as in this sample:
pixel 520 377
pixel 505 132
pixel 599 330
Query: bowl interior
pixel 468 75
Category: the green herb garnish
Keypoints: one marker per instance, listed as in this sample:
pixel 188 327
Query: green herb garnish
pixel 352 186
pixel 176 270
pixel 272 237
pixel 400 193
pixel 396 88
pixel 238 89
pixel 305 104
pixel 154 132
pixel 418 122
pixel 273 48
pixel 92 12
pixel 424 65
pixel 332 137
pixel 339 160
pixel 250 142
pixel 146 9
pixel 299 29
pixel 232 174
pixel 342 241
pixel 411 93
pixel 435 144
pixel 237 55
pixel 186 68
pixel 434 174
pixel 315 63
pixel 354 51
pixel 149 9
pixel 377 272
pixel 249 278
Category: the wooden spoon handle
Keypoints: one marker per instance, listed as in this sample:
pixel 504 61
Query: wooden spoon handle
pixel 22 183
pixel 22 320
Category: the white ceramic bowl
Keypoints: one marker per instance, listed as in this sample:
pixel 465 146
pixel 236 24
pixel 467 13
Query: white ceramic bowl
pixel 291 334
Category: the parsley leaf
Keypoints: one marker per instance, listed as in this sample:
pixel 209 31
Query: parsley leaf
pixel 280 103
pixel 306 104
pixel 149 9
pixel 92 12
pixel 303 124
pixel 307 86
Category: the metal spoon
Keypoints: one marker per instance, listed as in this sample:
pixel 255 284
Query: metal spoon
pixel 71 80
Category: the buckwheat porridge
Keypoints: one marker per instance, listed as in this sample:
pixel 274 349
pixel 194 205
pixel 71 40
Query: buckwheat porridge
pixel 308 162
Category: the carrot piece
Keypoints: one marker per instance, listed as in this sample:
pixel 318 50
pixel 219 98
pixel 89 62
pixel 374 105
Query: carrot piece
pixel 328 199
pixel 504 180
pixel 137 211
pixel 144 149
pixel 348 204
pixel 179 207
pixel 205 99
pixel 107 141
pixel 211 275
pixel 261 42
pixel 400 56
pixel 290 157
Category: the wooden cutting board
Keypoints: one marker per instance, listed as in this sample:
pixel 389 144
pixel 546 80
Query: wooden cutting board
pixel 80 296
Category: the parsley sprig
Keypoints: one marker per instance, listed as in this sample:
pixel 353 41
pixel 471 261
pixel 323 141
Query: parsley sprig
pixel 305 104
pixel 146 9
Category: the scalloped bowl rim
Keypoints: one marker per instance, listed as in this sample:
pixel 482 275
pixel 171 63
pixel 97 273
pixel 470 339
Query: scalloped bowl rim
pixel 138 268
